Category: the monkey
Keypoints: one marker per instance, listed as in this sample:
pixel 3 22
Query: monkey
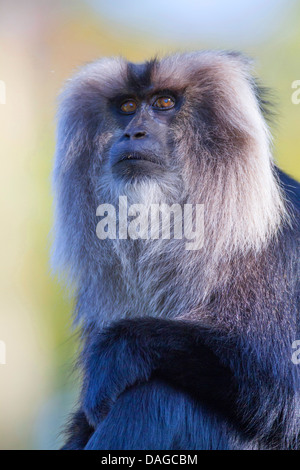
pixel 181 349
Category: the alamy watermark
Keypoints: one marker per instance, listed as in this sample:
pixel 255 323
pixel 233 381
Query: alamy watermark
pixel 296 353
pixel 2 353
pixel 296 94
pixel 152 222
pixel 2 92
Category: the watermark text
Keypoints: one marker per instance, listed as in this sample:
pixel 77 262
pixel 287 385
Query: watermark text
pixel 152 222
pixel 296 354
pixel 296 94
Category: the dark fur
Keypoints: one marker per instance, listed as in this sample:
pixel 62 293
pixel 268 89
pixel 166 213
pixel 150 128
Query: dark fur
pixel 215 371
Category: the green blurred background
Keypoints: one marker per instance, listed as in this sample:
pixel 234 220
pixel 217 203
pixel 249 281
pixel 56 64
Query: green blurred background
pixel 41 42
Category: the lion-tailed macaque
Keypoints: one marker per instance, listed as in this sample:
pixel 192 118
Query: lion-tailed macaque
pixel 186 343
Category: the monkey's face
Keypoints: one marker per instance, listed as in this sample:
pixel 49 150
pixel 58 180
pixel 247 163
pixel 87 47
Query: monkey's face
pixel 159 125
pixel 143 146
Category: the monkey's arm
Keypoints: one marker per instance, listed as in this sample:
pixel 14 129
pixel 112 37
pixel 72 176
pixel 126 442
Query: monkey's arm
pixel 153 416
pixel 133 351
pixel 156 416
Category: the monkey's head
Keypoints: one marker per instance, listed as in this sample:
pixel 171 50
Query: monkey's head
pixel 187 128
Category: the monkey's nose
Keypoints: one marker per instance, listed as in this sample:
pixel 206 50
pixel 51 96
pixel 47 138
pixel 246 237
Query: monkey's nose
pixel 135 134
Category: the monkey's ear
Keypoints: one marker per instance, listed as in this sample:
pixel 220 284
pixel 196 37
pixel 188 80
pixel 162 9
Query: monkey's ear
pixel 82 107
pixel 263 94
pixel 74 136
pixel 241 104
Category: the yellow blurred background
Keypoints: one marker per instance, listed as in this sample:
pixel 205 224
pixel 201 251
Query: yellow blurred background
pixel 41 43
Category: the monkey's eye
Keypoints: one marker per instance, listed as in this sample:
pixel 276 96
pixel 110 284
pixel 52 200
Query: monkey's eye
pixel 164 102
pixel 128 107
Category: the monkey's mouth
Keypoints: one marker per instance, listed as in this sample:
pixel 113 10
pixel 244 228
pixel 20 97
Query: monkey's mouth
pixel 137 157
pixel 135 164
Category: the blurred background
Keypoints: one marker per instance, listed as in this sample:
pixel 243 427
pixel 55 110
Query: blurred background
pixel 41 43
